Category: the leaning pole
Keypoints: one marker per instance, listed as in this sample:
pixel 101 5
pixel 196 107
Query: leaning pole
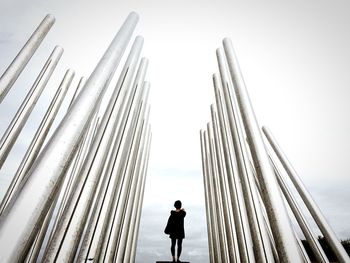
pixel 42 197
pixel 246 195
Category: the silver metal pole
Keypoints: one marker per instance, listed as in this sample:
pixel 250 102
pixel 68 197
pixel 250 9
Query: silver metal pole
pixel 136 232
pixel 31 205
pixel 264 214
pixel 137 201
pixel 65 241
pixel 129 101
pixel 308 200
pixel 224 191
pixel 252 216
pixel 136 150
pixel 309 235
pixel 206 195
pixel 39 138
pixel 232 175
pixel 282 230
pixel 11 74
pixel 213 208
pixel 11 134
pixel 73 172
pixel 109 245
pixel 216 191
pixel 122 110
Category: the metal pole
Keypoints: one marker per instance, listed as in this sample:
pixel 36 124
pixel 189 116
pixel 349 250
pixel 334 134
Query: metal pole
pixel 309 202
pixel 309 235
pixel 282 230
pixel 122 109
pixel 223 187
pixel 232 174
pixel 137 227
pixel 109 245
pixel 11 74
pixel 11 134
pixel 65 241
pixel 128 100
pixel 133 221
pixel 39 138
pixel 213 208
pixel 252 216
pixel 135 178
pixel 34 200
pixel 218 200
pixel 206 195
pixel 73 172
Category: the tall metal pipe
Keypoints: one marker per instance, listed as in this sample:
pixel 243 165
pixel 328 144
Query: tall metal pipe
pixel 137 227
pixel 130 96
pixel 28 210
pixel 11 134
pixel 206 196
pixel 315 211
pixel 232 175
pixel 65 241
pixel 39 138
pixel 129 102
pixel 108 245
pixel 307 231
pixel 213 208
pixel 287 246
pixel 11 74
pixel 137 149
pixel 122 108
pixel 73 174
pixel 129 246
pixel 224 191
pixel 218 200
pixel 252 216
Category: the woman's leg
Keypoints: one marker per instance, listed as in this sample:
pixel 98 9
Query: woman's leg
pixel 179 247
pixel 173 242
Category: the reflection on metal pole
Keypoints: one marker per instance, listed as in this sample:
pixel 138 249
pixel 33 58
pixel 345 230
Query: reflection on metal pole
pixel 11 74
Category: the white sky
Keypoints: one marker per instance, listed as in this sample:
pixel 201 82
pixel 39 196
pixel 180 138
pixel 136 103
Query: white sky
pixel 294 57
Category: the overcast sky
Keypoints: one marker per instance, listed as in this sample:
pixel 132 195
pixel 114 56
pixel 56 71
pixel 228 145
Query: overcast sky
pixel 295 60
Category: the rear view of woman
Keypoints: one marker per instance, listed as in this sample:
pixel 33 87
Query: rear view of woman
pixel 175 228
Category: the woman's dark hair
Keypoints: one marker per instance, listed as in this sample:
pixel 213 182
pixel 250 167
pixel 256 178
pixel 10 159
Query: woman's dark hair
pixel 177 204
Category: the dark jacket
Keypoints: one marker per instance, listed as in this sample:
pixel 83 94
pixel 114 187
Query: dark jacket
pixel 177 221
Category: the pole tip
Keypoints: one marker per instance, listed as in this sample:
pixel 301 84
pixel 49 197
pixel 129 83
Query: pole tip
pixel 227 40
pixel 134 15
pixel 50 18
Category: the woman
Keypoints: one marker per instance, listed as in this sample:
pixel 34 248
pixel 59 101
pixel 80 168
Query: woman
pixel 176 230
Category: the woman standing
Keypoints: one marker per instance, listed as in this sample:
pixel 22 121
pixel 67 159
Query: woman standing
pixel 175 228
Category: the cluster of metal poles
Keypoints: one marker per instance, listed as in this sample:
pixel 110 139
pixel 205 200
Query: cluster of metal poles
pixel 246 194
pixel 78 197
